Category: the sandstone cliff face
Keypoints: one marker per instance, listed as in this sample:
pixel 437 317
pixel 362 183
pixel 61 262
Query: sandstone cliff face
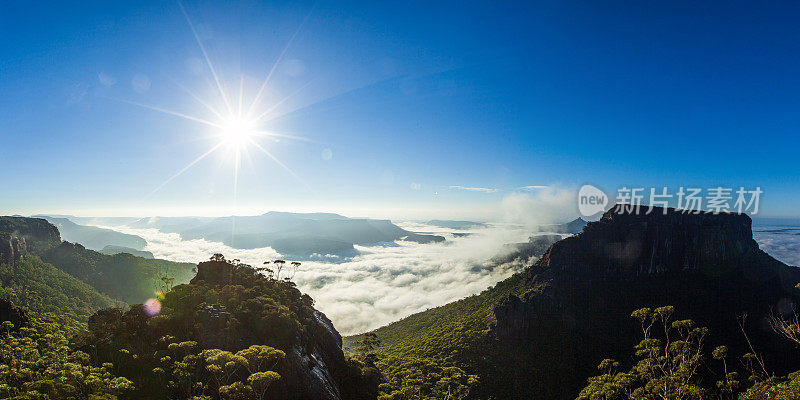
pixel 662 241
pixel 707 266
pixel 37 233
pixel 12 248
pixel 30 228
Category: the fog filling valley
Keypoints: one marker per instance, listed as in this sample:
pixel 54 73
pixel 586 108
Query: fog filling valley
pixel 384 282
pixel 390 281
pixel 781 242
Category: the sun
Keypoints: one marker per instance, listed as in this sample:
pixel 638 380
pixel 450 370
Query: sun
pixel 237 132
pixel 238 127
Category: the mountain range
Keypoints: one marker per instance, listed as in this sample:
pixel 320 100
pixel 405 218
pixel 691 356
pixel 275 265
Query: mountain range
pixel 92 237
pixel 536 335
pixel 291 234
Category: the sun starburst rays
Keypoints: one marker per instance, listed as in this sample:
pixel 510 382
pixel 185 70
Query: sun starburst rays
pixel 234 127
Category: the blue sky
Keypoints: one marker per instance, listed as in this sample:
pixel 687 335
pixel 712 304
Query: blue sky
pixel 395 105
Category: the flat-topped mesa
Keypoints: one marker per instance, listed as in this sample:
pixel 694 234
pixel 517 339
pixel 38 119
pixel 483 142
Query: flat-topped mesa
pixel 630 242
pixel 705 265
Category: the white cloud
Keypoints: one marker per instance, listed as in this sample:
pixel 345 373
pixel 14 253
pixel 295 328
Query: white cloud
pixel 382 284
pixel 781 242
pixel 474 189
pixel 389 282
pixel 545 206
pixel 534 187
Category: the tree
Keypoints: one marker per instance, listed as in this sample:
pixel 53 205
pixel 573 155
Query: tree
pixel 768 387
pixel 278 267
pixel 366 346
pixel 38 363
pixel 260 381
pixel 668 365
pixel 236 391
pixel 266 270
pixel 261 357
pixel 296 266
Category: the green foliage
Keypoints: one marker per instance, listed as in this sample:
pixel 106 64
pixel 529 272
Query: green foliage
pixel 440 352
pixel 775 389
pixel 121 276
pixel 222 336
pixel 46 289
pixel 454 332
pixel 411 378
pixel 667 366
pixel 672 364
pixel 37 363
pixel 423 379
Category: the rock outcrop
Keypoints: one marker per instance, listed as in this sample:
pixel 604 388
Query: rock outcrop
pixel 583 289
pixel 314 367
pixel 11 313
pixel 31 228
pixel 12 248
pixel 664 241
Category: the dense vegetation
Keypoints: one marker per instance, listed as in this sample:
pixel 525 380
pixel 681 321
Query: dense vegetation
pixel 225 335
pixel 45 289
pixel 445 332
pixel 38 363
pixel 673 362
pixel 121 276
pixel 427 355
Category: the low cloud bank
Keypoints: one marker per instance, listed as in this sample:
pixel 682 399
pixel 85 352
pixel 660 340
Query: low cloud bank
pixel 781 242
pixel 388 282
pixel 382 284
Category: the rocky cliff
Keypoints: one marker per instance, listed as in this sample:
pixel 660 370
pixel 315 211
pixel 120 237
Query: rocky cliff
pixel 31 228
pixel 583 289
pixel 11 313
pixel 314 367
pixel 227 308
pixel 663 241
pixel 12 248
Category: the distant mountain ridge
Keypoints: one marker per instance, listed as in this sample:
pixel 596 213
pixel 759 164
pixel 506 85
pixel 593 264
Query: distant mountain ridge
pixel 112 250
pixel 571 227
pixel 296 234
pixel 121 276
pixel 446 223
pixel 93 237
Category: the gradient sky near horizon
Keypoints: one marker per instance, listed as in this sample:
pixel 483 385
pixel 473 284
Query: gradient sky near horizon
pixel 393 109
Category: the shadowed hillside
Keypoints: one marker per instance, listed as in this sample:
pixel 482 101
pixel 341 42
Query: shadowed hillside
pixel 122 276
pixel 541 333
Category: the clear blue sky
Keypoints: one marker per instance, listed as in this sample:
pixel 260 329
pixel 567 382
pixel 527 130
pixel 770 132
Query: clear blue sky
pixel 398 102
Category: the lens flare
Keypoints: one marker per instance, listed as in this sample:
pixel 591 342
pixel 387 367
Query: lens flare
pixel 152 307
